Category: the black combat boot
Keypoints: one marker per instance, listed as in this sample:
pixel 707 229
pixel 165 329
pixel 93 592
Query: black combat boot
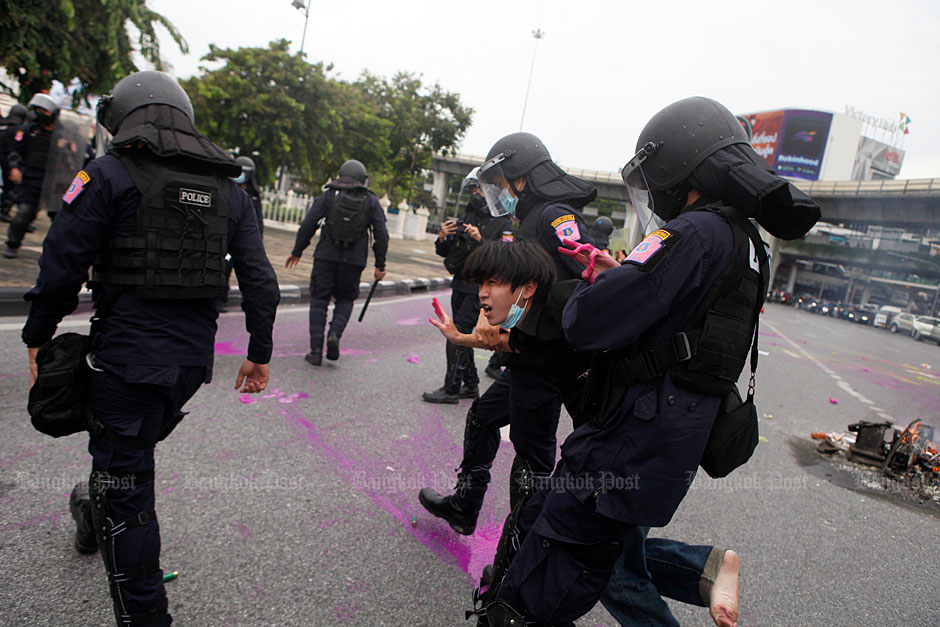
pixel 469 391
pixel 441 395
pixel 332 347
pixel 314 357
pixel 80 508
pixel 446 507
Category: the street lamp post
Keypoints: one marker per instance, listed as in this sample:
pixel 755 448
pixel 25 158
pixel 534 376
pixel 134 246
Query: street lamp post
pixel 301 6
pixel 538 34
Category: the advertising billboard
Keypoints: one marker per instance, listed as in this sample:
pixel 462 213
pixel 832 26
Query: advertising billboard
pixel 875 156
pixel 803 136
pixel 765 132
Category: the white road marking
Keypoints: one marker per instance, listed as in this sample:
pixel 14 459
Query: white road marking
pixel 841 383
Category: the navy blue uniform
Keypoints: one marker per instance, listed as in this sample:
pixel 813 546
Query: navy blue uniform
pixel 6 146
pixel 464 299
pixel 31 145
pixel 337 269
pixel 632 472
pixel 527 396
pixel 150 358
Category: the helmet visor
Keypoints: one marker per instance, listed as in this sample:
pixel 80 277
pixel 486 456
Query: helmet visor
pixel 495 187
pixel 638 188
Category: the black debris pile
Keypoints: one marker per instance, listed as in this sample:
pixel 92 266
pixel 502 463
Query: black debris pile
pixel 906 458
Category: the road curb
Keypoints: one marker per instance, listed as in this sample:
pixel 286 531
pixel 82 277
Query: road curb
pixel 12 303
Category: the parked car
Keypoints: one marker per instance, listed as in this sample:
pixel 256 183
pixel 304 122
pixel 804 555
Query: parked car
pixel 884 315
pixel 924 326
pixel 903 322
pixel 867 315
pixel 935 334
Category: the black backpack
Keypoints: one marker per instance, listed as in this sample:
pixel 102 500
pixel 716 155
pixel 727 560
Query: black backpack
pixel 348 216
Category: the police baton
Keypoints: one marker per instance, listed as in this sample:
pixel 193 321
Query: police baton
pixel 375 284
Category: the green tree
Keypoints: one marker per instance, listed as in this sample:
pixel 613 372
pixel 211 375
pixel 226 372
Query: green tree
pixel 269 104
pixel 423 121
pixel 46 40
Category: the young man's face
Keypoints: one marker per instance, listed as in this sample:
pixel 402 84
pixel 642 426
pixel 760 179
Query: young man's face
pixel 498 296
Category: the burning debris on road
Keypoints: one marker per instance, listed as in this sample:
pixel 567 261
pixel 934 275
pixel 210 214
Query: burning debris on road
pixel 909 459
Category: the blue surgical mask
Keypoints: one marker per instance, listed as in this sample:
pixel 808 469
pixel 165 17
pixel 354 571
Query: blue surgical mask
pixel 241 178
pixel 508 201
pixel 515 314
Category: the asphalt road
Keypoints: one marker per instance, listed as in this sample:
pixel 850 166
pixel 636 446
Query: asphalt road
pixel 295 507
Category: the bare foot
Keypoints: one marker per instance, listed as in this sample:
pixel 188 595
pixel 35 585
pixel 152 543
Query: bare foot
pixel 723 604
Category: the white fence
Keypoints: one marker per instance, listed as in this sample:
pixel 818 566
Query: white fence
pixel 289 208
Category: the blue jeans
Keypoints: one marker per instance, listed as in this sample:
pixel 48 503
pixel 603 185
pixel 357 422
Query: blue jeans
pixel 649 569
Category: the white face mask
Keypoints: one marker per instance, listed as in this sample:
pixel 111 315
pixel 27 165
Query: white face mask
pixel 515 314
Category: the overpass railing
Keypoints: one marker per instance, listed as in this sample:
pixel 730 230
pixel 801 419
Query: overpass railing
pixel 868 188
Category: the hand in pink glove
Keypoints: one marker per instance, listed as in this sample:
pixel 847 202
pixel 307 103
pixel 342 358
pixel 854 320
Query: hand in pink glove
pixel 593 259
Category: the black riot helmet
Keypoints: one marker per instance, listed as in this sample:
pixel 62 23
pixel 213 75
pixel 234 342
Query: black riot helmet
pixel 698 143
pixel 355 170
pixel 247 176
pixel 141 89
pixel 601 230
pixel 524 155
pixel 671 145
pixel 18 112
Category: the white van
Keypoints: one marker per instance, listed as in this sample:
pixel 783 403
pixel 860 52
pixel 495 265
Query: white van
pixel 885 314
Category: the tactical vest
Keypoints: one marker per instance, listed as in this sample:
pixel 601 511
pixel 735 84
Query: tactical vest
pixel 37 142
pixel 347 217
pixel 181 241
pixel 709 355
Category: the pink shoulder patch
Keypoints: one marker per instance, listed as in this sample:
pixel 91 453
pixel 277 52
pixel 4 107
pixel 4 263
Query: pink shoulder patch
pixel 650 245
pixel 76 188
pixel 18 137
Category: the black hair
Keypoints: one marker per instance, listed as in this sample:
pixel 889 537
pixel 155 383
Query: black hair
pixel 515 263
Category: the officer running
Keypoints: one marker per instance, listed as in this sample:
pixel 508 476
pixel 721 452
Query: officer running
pixel 351 212
pixel 27 161
pixel 518 178
pixel 705 267
pixel 155 217
pixel 457 239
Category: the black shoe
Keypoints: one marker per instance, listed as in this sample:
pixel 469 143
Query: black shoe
pixel 444 507
pixel 314 358
pixel 441 395
pixel 332 347
pixel 31 229
pixel 80 508
pixel 9 253
pixel 492 372
pixel 469 391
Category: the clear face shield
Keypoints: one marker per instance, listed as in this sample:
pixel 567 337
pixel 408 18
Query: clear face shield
pixel 470 192
pixel 638 188
pixel 495 187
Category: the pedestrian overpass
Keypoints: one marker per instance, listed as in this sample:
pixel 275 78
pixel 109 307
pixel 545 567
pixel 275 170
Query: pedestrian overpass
pixel 913 204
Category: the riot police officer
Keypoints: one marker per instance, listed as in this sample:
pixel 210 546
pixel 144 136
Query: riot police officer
pixel 457 239
pixel 602 228
pixel 661 378
pixel 518 178
pixel 155 217
pixel 248 181
pixel 351 213
pixel 16 117
pixel 249 184
pixel 27 161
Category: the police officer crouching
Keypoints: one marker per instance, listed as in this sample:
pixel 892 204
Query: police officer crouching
pixel 694 182
pixel 155 217
pixel 351 212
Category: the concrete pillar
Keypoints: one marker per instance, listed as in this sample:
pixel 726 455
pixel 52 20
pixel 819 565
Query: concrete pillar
pixel 775 257
pixel 791 280
pixel 439 187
